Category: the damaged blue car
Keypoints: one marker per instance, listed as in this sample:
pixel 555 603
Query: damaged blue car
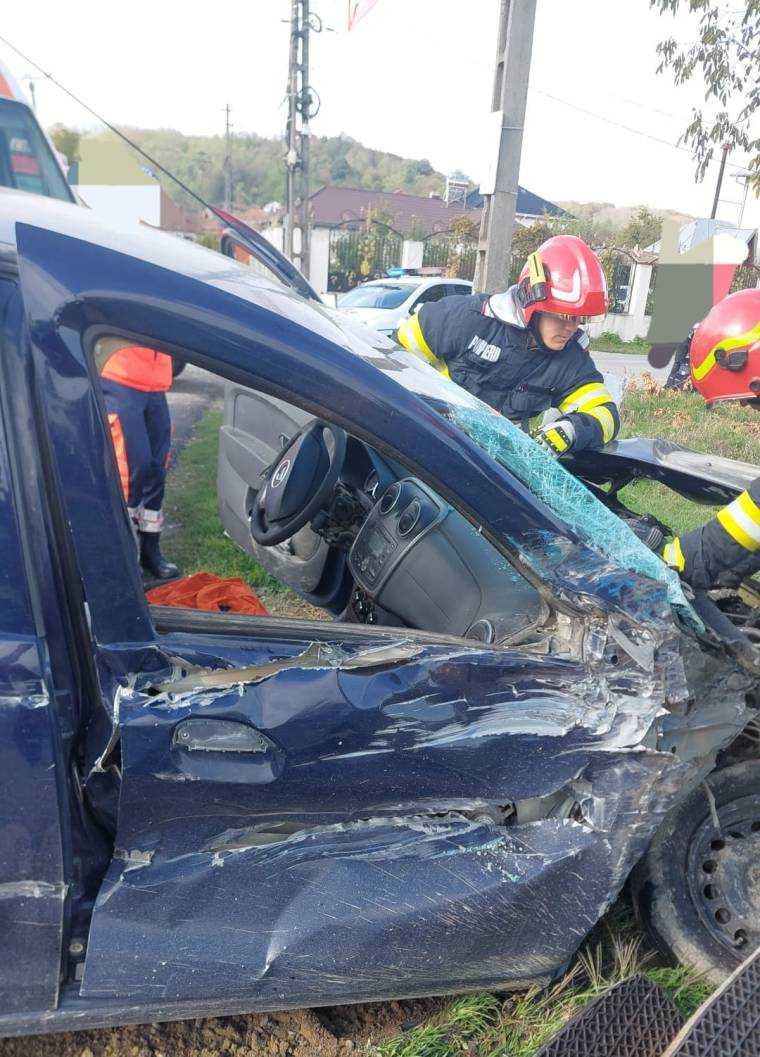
pixel 514 708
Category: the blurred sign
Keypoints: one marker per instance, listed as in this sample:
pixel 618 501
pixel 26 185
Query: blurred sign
pixel 357 9
pixel 687 286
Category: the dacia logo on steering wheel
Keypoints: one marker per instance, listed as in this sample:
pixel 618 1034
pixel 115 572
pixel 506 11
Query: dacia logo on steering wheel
pixel 280 473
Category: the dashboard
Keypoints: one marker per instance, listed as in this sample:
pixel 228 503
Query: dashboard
pixel 421 563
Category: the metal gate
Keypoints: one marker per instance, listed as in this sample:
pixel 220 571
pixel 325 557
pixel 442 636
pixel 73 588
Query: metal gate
pixel 455 257
pixel 358 254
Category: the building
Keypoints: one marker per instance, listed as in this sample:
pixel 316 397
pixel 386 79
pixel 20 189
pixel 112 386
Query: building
pixel 701 229
pixel 418 231
pixel 632 288
pixel 113 181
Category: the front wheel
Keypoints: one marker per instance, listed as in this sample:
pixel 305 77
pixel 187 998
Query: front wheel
pixel 697 890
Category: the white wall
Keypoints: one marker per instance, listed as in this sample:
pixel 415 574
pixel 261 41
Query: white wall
pixel 319 259
pixel 275 235
pixel 121 204
pixel 634 323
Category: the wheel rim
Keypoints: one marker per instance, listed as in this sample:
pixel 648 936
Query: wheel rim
pixel 724 875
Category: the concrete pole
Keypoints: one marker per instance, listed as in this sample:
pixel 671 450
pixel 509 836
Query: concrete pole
pixel 510 91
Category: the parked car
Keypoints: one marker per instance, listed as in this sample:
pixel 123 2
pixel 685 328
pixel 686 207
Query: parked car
pixel 443 789
pixel 383 303
pixel 28 159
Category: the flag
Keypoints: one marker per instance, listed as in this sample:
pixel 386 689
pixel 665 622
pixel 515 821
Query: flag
pixel 358 9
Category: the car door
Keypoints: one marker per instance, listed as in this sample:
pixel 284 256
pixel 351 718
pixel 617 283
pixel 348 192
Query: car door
pixel 35 856
pixel 308 812
pixel 255 429
pixel 434 292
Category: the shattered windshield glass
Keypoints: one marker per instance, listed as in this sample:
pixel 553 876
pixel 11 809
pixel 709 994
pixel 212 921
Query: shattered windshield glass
pixel 598 527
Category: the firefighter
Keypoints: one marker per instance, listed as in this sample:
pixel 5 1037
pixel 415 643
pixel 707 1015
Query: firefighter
pixel 135 381
pixel 725 365
pixel 523 350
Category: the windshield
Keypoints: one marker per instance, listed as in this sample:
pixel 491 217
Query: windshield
pixel 26 160
pixel 564 494
pixel 377 295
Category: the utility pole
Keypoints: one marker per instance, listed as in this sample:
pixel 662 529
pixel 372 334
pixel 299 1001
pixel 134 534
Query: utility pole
pixel 726 149
pixel 510 91
pixel 227 161
pixel 302 106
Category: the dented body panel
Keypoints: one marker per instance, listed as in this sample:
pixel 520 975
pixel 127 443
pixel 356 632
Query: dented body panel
pixel 276 813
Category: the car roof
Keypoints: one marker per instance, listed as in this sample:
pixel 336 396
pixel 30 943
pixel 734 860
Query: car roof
pixel 207 266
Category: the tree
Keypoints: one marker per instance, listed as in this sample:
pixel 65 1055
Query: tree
pixel 66 141
pixel 642 230
pixel 726 54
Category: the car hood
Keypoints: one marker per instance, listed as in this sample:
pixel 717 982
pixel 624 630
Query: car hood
pixel 695 475
pixel 373 317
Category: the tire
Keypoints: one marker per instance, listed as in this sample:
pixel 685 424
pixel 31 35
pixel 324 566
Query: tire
pixel 178 366
pixel 696 892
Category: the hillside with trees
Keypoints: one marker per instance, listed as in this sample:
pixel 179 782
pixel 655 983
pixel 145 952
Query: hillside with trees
pixel 258 177
pixel 258 173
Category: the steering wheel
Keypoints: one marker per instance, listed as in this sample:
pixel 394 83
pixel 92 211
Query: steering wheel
pixel 299 483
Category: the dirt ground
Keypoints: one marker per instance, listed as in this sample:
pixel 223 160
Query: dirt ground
pixel 329 1032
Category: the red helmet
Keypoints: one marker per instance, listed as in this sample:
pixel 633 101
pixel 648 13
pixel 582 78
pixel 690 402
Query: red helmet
pixel 725 349
pixel 563 276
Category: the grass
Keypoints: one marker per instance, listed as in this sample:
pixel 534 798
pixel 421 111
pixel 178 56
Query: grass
pixel 194 537
pixel 494 1025
pixel 728 430
pixel 608 341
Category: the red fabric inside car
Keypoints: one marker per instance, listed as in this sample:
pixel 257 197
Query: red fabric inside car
pixel 209 592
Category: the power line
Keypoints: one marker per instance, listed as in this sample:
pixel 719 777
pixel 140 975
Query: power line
pixel 619 124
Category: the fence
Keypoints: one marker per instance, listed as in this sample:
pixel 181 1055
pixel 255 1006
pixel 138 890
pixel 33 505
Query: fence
pixel 455 256
pixel 745 278
pixel 360 253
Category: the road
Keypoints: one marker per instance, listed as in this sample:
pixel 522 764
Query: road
pixel 619 368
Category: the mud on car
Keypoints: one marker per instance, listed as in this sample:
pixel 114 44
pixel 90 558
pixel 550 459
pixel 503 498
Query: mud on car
pixel 514 707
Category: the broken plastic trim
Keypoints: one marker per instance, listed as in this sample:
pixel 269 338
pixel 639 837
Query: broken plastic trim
pixel 318 655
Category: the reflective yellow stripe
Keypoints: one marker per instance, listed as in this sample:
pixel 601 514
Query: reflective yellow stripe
pixel 411 337
pixel 741 520
pixel 536 273
pixel 673 555
pixel 728 345
pixel 603 416
pixel 704 367
pixel 592 394
pixel 556 439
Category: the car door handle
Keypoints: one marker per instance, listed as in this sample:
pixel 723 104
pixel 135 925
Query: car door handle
pixel 284 440
pixel 219 735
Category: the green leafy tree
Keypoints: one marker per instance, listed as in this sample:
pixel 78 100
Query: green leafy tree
pixel 642 230
pixel 66 140
pixel 726 55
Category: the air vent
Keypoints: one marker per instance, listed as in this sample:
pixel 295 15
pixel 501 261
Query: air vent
pixel 390 498
pixel 409 518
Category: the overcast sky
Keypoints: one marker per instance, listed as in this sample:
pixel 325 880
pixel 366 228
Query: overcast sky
pixel 414 77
